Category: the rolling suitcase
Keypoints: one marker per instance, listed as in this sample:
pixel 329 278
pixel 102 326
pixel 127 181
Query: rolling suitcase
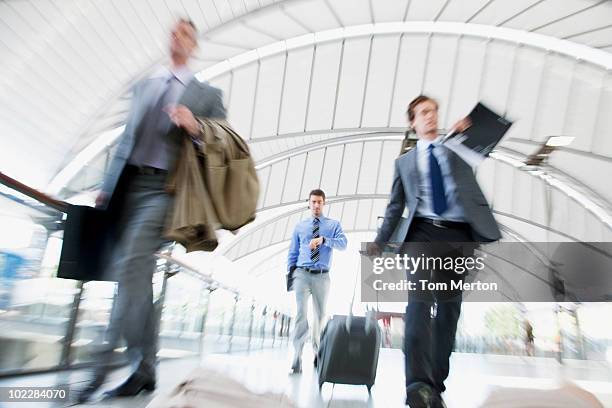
pixel 349 348
pixel 349 351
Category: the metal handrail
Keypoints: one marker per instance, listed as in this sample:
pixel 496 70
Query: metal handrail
pixel 33 193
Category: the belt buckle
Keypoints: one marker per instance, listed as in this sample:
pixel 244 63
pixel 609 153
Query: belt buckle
pixel 438 223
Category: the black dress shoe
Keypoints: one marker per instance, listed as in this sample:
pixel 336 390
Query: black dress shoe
pixel 92 386
pixel 296 367
pixel 421 395
pixel 140 380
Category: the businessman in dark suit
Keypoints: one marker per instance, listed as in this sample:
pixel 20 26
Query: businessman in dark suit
pixel 445 204
pixel 164 111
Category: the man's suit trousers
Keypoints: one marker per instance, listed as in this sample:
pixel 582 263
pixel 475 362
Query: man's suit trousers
pixel 429 339
pixel 141 204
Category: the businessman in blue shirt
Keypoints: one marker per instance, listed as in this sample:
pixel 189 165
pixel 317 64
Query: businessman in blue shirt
pixel 310 255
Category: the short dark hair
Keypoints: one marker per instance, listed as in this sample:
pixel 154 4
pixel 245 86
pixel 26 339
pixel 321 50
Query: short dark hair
pixel 417 101
pixel 317 192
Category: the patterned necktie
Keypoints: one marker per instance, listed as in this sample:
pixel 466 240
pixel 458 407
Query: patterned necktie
pixel 314 253
pixel 437 184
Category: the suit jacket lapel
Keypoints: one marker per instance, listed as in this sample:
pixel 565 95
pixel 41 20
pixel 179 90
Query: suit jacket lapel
pixel 151 92
pixel 192 91
pixel 413 174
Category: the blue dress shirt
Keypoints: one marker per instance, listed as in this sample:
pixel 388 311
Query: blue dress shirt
pixel 152 144
pixel 454 210
pixel 299 251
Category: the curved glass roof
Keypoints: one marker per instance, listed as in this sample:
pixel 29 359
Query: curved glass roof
pixel 319 89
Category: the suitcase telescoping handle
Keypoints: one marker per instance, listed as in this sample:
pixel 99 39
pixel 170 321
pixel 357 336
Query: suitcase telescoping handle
pixel 370 320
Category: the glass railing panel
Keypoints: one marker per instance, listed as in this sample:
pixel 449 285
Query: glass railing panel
pixel 34 307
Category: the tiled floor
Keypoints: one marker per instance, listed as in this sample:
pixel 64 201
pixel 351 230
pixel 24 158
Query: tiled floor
pixel 472 378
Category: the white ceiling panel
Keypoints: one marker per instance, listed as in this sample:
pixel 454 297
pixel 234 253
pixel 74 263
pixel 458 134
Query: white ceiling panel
pixel 312 175
pixel 275 21
pixel 267 235
pixel 439 72
pixel 269 88
pixel 334 161
pixel 598 38
pixel 540 202
pixel 546 11
pixel 286 225
pixel 335 210
pixel 364 209
pixel 594 228
pixel 485 175
pixel 350 169
pixel 468 75
pixel 244 85
pixel 593 14
pixel 553 99
pixel 223 82
pixel 348 215
pixel 352 80
pixel 499 11
pixel 388 11
pixel 263 175
pixel 410 74
pixel 576 222
pixel 323 94
pixel 295 173
pixel 240 35
pixel 462 10
pixel 295 94
pixel 379 87
pixel 592 171
pixel 424 10
pixel 238 6
pixel 276 184
pixel 525 94
pixel 498 76
pixel 369 168
pixel 390 151
pixel 521 188
pixel 584 102
pixel 559 211
pixel 352 12
pixel 503 190
pixel 602 142
pixel 318 18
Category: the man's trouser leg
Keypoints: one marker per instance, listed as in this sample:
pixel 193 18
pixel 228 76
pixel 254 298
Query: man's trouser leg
pixel 428 342
pixel 417 343
pixel 301 285
pixel 444 329
pixel 320 290
pixel 133 318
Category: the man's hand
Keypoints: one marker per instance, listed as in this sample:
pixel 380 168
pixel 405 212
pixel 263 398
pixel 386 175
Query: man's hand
pixel 316 243
pixel 102 199
pixel 462 125
pixel 182 117
pixel 373 249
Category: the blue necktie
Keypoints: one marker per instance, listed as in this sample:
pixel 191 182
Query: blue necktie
pixel 437 183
